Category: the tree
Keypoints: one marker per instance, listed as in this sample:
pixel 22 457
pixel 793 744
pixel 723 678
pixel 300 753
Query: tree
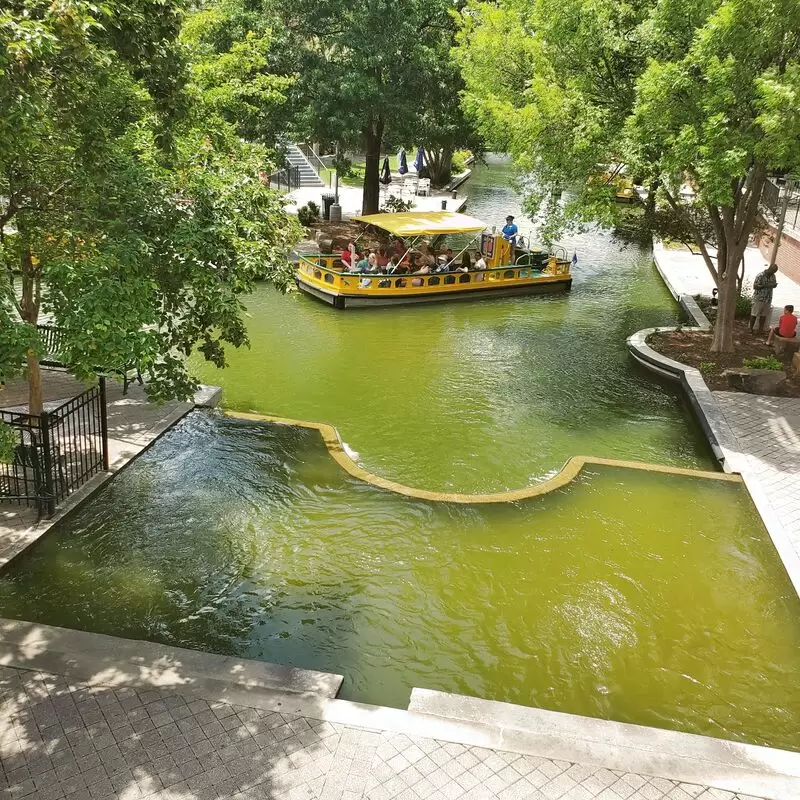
pixel 671 90
pixel 135 214
pixel 363 71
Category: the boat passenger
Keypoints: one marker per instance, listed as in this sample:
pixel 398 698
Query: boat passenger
pixel 363 262
pixel 393 264
pixel 346 253
pixel 510 229
pixel 480 263
pixel 398 247
pixel 466 263
pixel 424 269
pixel 372 261
pixel 382 257
pixel 444 264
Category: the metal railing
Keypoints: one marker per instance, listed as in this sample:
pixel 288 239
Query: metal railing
pixel 55 452
pixel 287 179
pixel 776 191
pixel 327 270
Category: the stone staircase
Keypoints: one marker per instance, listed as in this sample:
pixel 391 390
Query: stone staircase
pixel 308 175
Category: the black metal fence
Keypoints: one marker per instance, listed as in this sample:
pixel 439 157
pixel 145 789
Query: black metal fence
pixel 288 179
pixel 57 452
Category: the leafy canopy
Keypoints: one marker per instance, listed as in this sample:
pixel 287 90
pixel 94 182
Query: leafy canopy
pixel 136 215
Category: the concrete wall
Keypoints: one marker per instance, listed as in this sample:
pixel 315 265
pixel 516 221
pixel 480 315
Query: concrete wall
pixel 788 252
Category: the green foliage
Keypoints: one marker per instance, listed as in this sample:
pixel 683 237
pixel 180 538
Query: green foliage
pixel 707 367
pixel 373 75
pixel 672 91
pixel 308 214
pixel 762 362
pixel 141 214
pixel 8 441
pixel 393 204
pixel 744 303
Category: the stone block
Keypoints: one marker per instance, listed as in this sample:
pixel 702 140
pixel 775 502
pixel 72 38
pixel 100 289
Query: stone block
pixel 785 348
pixel 756 381
pixel 796 362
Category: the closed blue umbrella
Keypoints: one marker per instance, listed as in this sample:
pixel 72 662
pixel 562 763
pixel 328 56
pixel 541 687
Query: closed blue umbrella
pixel 403 165
pixel 419 161
pixel 386 172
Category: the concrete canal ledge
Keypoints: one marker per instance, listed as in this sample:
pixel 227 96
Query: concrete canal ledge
pixel 86 715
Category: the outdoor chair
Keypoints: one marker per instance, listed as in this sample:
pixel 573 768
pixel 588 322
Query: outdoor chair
pixel 424 186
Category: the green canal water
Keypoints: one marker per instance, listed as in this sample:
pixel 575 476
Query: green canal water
pixel 643 598
pixel 646 598
pixel 476 396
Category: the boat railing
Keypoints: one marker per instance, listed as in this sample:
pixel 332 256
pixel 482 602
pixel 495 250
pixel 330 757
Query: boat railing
pixel 324 268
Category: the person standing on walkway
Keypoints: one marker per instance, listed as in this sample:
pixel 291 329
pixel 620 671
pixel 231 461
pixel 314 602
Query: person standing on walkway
pixel 761 309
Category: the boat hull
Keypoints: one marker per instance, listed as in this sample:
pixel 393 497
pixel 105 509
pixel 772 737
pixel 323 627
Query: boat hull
pixel 342 300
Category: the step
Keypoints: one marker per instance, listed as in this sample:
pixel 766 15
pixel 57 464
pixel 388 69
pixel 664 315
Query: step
pixel 736 767
pixel 87 656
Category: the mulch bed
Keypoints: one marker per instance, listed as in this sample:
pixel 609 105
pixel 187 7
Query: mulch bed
pixel 694 349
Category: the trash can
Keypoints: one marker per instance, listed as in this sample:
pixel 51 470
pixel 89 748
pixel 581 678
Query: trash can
pixel 327 202
pixel 336 213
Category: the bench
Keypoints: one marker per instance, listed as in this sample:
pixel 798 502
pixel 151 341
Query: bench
pixel 53 340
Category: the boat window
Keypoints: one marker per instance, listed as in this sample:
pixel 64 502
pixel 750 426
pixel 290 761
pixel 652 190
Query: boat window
pixel 448 279
pixel 328 277
pixel 365 283
pixel 434 281
pixel 464 278
pixel 400 283
pixel 524 273
pixel 493 276
pixel 338 263
pixel 509 273
pixel 317 274
pixel 384 284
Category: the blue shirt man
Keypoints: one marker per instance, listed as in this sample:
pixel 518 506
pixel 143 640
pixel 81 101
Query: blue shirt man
pixel 510 230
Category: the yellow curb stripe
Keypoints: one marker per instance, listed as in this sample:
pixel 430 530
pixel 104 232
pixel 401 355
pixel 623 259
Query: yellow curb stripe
pixel 330 436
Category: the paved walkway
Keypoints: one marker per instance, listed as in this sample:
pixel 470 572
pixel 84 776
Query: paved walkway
pixel 686 273
pixel 67 739
pixel 350 198
pixel 768 432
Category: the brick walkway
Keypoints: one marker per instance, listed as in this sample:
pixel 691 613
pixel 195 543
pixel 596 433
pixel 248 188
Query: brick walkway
pixel 688 274
pixel 61 739
pixel 768 431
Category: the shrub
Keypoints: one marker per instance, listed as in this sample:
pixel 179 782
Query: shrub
pixel 707 366
pixel 744 302
pixel 459 161
pixel 394 204
pixel 762 362
pixel 308 213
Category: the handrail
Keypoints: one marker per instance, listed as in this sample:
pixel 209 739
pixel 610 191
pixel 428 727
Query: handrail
pixel 308 152
pixel 339 279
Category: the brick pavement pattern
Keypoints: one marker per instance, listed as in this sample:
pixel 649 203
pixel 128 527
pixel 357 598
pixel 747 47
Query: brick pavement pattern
pixel 64 739
pixel 768 431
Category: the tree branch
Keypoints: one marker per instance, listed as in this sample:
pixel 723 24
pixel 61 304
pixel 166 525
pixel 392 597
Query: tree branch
pixel 695 232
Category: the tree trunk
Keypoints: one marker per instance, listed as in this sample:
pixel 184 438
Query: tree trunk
pixel 726 308
pixel 30 313
pixel 440 164
pixel 373 141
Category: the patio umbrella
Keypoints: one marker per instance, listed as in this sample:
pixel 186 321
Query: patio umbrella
pixel 386 172
pixel 419 161
pixel 403 167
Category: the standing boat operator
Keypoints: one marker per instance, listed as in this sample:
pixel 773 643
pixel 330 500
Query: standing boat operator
pixel 510 230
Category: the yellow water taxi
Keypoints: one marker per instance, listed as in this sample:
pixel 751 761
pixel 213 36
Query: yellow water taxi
pixel 493 266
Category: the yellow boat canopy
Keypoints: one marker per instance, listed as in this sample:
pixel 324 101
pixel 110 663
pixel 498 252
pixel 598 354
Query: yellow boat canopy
pixel 420 223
